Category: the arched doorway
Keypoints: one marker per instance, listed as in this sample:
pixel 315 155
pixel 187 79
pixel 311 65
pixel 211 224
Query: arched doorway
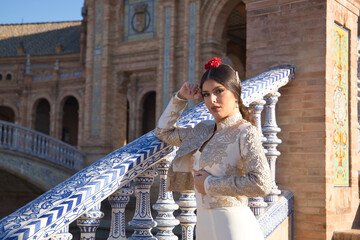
pixel 7 114
pixel 235 34
pixel 15 192
pixel 70 121
pixel 42 116
pixel 148 112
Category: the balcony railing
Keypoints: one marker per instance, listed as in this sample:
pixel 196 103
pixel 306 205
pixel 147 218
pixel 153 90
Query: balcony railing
pixel 34 143
pixel 79 197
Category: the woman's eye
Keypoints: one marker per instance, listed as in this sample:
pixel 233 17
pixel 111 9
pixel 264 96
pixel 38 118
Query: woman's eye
pixel 219 91
pixel 205 95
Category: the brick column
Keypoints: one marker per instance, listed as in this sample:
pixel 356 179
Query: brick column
pixel 302 33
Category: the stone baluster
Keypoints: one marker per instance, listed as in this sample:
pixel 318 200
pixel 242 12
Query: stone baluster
pixel 27 142
pixel 270 130
pixel 89 222
pixel 62 156
pixel 63 234
pixel 78 160
pixel 1 134
pixel 165 204
pixel 66 156
pixel 15 138
pixel 40 144
pixel 43 146
pixel 5 135
pixel 35 146
pixel 71 157
pixel 258 204
pixel 118 201
pixel 142 220
pixel 9 136
pixel 22 140
pixel 57 151
pixel 187 216
pixel 47 151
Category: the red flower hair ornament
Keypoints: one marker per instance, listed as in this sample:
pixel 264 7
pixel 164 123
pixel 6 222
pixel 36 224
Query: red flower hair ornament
pixel 212 63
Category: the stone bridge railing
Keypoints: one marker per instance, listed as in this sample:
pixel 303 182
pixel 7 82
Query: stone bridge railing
pixel 20 139
pixel 79 197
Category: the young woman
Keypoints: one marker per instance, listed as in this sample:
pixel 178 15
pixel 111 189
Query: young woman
pixel 224 159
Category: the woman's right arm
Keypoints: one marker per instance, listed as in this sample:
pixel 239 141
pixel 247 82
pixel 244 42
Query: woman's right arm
pixel 166 129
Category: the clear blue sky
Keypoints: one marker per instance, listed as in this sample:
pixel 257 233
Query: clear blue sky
pixel 33 11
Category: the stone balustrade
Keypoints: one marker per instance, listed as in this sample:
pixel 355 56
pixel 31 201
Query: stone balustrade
pixel 24 140
pixel 79 197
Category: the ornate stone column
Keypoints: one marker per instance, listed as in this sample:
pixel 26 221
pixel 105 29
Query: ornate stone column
pixel 270 130
pixel 187 217
pixel 143 221
pixel 165 205
pixel 258 204
pixel 89 222
pixel 118 201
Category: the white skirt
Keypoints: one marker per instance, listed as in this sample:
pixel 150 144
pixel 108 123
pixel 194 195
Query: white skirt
pixel 227 223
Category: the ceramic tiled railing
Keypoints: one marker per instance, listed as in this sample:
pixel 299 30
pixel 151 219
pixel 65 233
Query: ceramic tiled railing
pixel 79 197
pixel 34 143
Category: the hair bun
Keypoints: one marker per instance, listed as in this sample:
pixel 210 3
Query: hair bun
pixel 212 63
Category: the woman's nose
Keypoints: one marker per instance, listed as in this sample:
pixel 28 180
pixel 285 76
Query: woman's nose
pixel 213 98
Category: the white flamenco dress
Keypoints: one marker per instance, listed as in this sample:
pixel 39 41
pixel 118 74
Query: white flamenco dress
pixel 224 223
pixel 232 153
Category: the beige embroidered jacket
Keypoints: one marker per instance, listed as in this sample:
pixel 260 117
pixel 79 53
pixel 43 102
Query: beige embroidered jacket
pixel 234 157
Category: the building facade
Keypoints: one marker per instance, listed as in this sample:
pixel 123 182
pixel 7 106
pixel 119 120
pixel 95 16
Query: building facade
pixel 128 57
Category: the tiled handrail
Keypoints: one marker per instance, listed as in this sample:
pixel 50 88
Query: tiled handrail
pixel 34 143
pixel 80 195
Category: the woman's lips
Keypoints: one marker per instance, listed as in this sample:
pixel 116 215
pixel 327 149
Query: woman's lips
pixel 215 108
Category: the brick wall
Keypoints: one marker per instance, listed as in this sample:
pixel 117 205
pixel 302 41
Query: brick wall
pixel 300 33
pixel 341 202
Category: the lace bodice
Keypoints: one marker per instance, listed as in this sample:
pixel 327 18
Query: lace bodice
pixel 234 157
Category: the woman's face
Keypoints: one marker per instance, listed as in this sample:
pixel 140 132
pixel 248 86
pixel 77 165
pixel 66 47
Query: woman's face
pixel 220 101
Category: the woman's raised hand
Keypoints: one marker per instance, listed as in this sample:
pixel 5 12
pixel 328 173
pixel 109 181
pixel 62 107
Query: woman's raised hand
pixel 189 91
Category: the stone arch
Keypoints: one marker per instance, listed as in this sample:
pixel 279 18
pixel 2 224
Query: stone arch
pixel 69 120
pixel 148 111
pixel 214 16
pixel 8 113
pixel 220 37
pixel 41 115
pixel 19 191
pixel 9 76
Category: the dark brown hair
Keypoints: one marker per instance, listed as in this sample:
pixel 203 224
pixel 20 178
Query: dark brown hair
pixel 225 75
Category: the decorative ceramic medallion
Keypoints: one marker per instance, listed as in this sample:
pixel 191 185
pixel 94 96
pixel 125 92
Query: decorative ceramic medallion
pixel 139 19
pixel 340 105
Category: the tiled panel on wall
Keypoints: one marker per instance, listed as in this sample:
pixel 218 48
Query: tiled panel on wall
pixel 96 89
pixel 341 107
pixel 166 67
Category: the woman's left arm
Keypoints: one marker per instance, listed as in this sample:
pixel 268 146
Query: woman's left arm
pixel 257 180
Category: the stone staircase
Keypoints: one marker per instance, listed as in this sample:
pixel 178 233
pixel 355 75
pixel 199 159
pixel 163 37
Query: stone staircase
pixel 130 170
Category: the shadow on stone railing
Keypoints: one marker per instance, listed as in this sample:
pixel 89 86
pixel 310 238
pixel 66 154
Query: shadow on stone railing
pixel 79 197
pixel 20 139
